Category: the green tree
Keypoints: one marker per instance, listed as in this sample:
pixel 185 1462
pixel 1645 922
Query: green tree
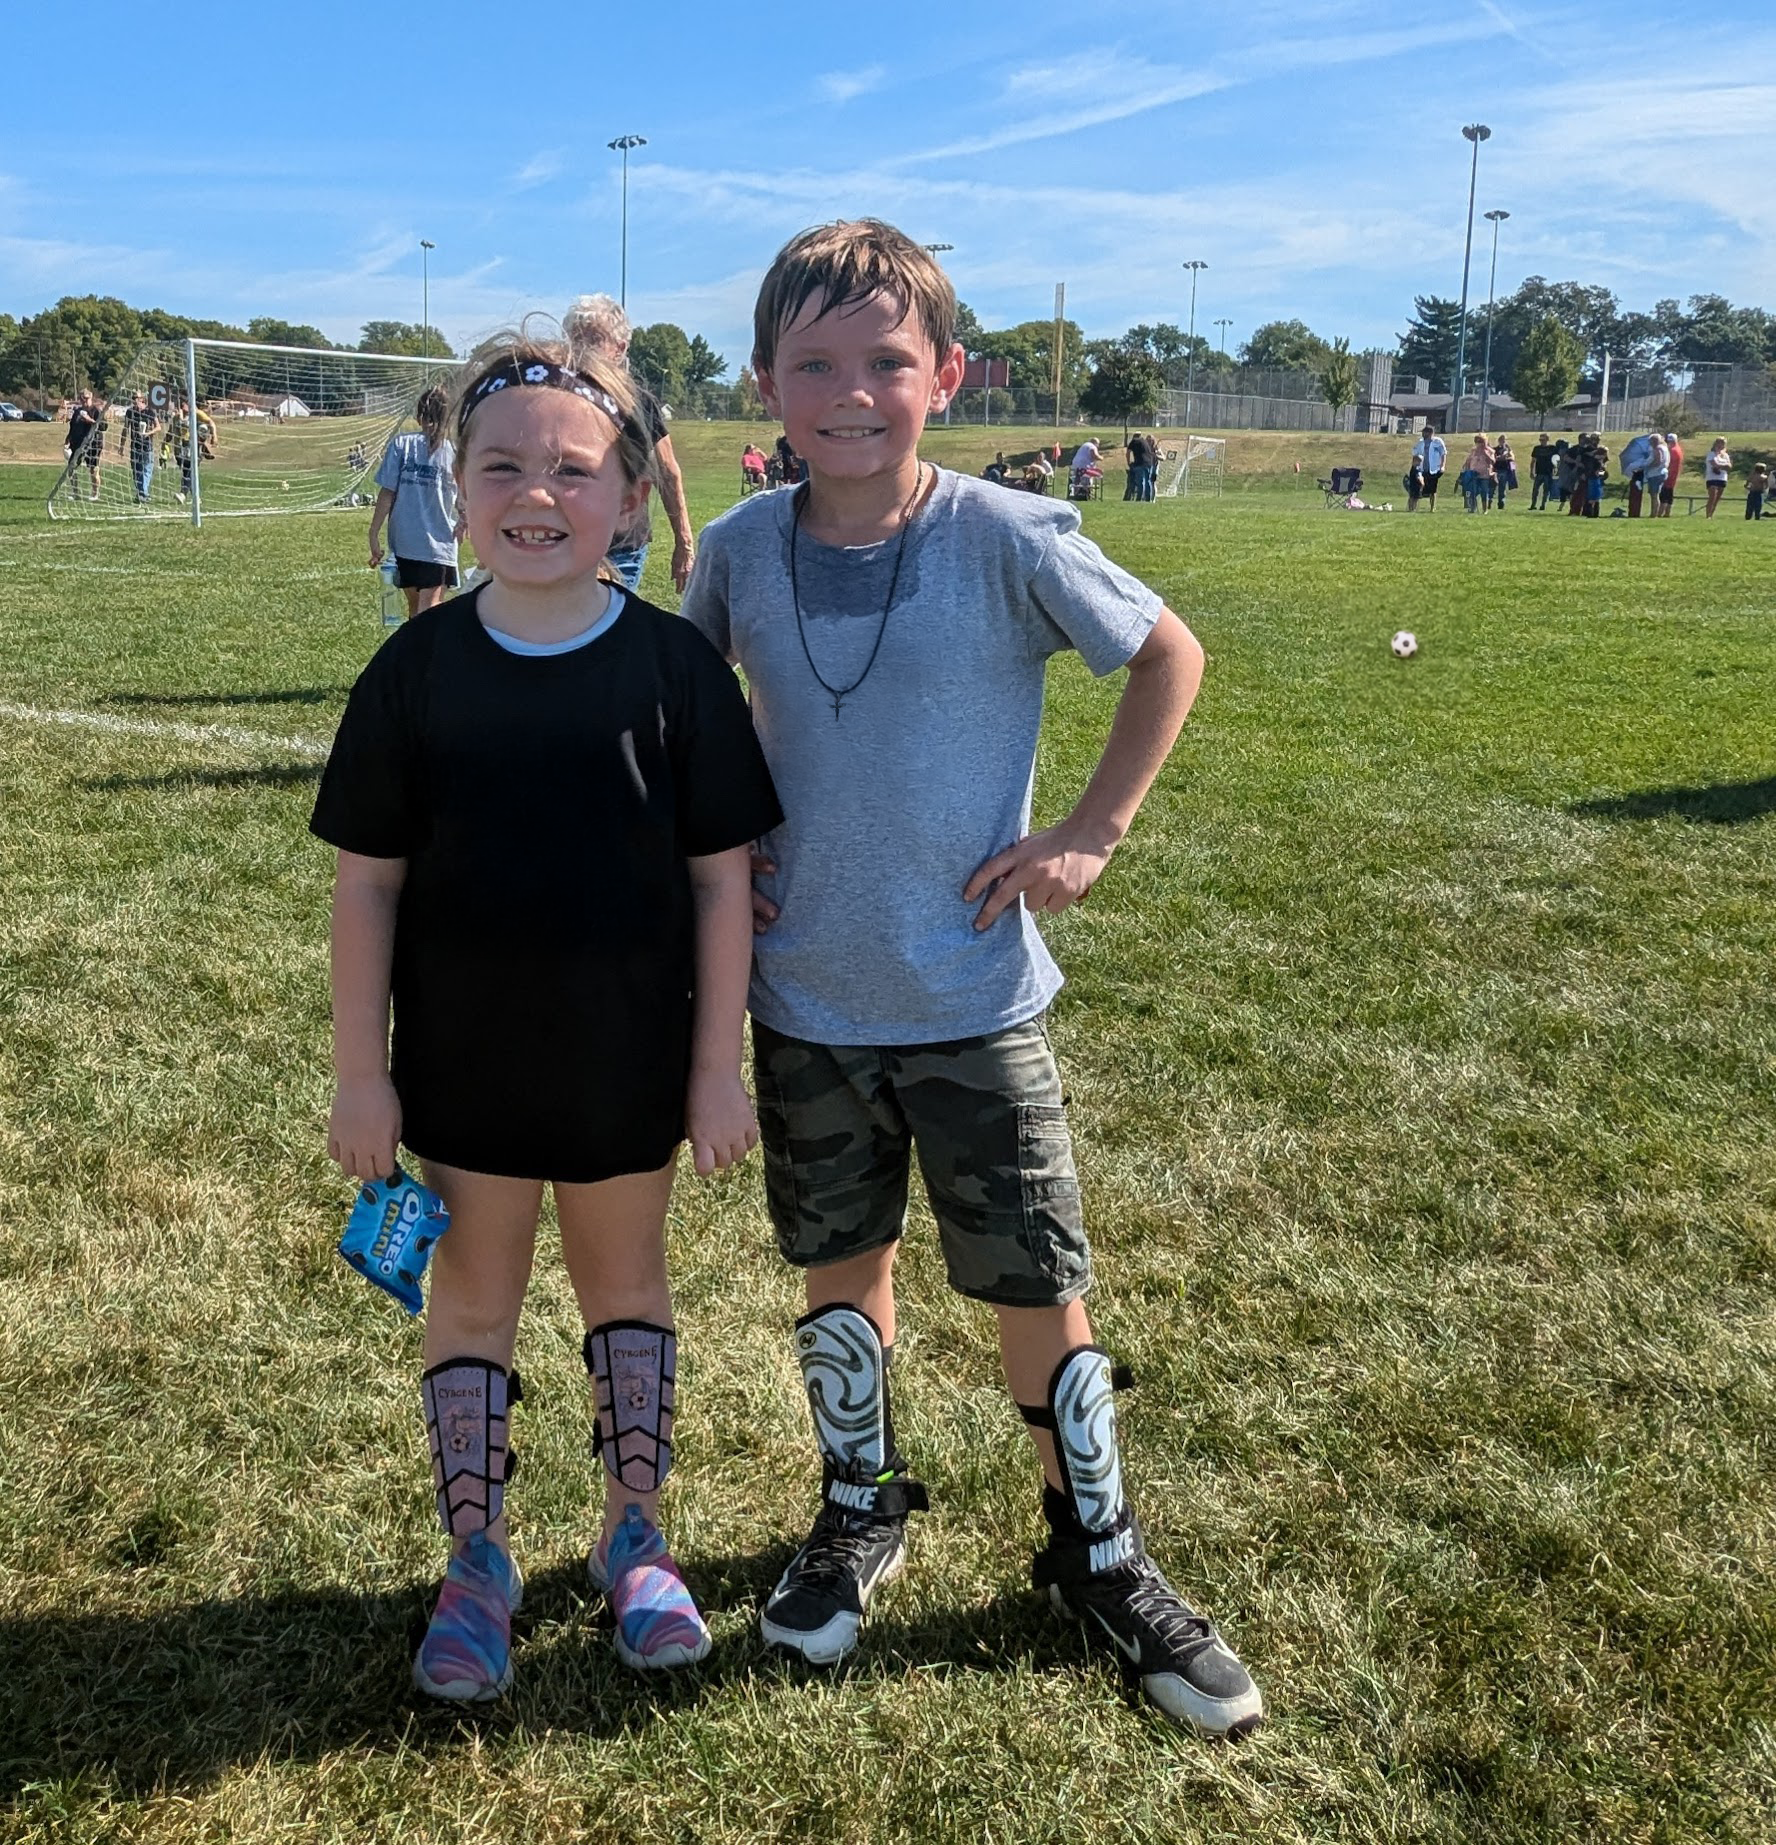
pixel 1030 348
pixel 404 338
pixel 1427 347
pixel 271 332
pixel 1122 386
pixel 1548 365
pixel 968 329
pixel 1284 345
pixel 660 357
pixel 1338 377
pixel 89 338
pixel 747 402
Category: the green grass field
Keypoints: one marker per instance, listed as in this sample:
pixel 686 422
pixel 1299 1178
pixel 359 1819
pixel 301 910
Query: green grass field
pixel 1422 1063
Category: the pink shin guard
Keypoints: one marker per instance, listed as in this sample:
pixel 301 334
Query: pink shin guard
pixel 466 1401
pixel 633 1365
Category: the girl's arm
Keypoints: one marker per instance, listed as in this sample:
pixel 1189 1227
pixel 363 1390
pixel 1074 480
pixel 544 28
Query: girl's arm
pixel 364 1128
pixel 719 1121
pixel 385 504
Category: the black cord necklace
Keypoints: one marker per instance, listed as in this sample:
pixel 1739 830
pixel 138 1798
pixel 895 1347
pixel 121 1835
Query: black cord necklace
pixel 838 694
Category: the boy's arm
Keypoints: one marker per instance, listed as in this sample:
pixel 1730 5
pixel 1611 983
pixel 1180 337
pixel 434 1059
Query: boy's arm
pixel 365 1126
pixel 1055 868
pixel 719 1121
pixel 385 504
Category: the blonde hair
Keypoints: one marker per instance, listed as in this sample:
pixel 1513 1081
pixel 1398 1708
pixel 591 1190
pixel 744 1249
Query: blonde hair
pixel 519 346
pixel 597 320
pixel 847 264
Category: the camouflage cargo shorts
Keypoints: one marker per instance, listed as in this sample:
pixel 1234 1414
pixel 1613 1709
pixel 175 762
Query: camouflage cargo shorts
pixel 839 1123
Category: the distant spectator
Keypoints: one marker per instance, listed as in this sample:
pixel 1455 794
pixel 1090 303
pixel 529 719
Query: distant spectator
pixel 1477 476
pixel 1658 467
pixel 1668 492
pixel 417 501
pixel 1637 455
pixel 1429 453
pixel 789 463
pixel 1566 472
pixel 140 426
pixel 1088 456
pixel 1717 467
pixel 752 465
pixel 1755 489
pixel 996 469
pixel 86 442
pixel 1141 458
pixel 1504 467
pixel 1595 468
pixel 181 439
pixel 1541 472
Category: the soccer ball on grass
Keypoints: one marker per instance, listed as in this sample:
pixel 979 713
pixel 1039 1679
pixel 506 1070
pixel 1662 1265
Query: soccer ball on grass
pixel 1405 644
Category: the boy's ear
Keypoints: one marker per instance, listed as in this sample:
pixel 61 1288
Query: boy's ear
pixel 949 377
pixel 767 390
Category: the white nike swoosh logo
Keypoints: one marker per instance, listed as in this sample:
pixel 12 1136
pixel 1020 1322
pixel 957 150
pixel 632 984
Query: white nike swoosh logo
pixel 1130 1649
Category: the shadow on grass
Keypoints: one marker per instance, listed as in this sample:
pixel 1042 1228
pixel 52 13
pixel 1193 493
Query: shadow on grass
pixel 139 1702
pixel 268 775
pixel 1712 804
pixel 289 695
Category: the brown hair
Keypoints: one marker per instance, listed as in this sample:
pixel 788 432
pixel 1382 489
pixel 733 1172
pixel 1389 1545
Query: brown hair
pixel 847 264
pixel 519 347
pixel 432 409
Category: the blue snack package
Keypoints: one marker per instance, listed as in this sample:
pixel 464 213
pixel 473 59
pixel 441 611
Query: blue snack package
pixel 389 1235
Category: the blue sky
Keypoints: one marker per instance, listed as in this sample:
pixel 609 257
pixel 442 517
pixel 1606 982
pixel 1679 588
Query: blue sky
pixel 1310 154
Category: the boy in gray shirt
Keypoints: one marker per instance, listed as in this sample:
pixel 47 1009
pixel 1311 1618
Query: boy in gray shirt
pixel 894 625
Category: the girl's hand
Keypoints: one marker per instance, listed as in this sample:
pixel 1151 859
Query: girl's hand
pixel 375 551
pixel 364 1127
pixel 719 1122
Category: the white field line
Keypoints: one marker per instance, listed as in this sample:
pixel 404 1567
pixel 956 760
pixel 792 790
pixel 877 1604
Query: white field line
pixel 137 570
pixel 159 727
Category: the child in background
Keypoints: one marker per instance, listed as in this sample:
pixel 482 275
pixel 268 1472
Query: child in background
pixel 1755 489
pixel 1717 469
pixel 543 794
pixel 417 501
pixel 894 623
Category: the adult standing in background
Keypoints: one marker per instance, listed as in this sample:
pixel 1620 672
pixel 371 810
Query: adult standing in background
pixel 1658 467
pixel 600 322
pixel 1429 453
pixel 1669 491
pixel 140 427
pixel 1504 462
pixel 86 442
pixel 1541 472
pixel 1717 467
pixel 1136 450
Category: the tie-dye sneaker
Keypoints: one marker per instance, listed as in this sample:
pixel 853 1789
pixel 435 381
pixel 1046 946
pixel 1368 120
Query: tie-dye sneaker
pixel 466 1655
pixel 657 1622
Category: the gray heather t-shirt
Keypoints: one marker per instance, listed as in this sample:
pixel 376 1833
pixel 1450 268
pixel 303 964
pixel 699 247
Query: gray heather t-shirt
pixel 927 769
pixel 422 526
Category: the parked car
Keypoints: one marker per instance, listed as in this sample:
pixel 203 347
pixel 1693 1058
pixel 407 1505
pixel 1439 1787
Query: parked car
pixel 38 416
pixel 11 413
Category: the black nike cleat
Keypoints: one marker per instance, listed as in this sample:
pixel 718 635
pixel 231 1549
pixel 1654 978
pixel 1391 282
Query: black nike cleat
pixel 858 1543
pixel 1121 1595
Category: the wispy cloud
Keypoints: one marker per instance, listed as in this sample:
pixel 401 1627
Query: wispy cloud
pixel 537 169
pixel 840 86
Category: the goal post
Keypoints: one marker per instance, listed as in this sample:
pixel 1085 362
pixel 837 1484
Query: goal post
pixel 276 429
pixel 1194 466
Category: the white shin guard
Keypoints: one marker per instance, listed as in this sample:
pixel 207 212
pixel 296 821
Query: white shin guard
pixel 466 1404
pixel 845 1374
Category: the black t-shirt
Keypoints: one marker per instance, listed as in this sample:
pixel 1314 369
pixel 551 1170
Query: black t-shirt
pixel 641 531
pixel 139 427
pixel 1541 459
pixel 83 428
pixel 544 944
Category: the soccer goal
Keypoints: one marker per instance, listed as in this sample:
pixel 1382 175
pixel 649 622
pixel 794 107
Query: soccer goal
pixel 278 429
pixel 1193 466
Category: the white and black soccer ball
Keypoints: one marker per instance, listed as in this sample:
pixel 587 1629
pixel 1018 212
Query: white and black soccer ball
pixel 1405 644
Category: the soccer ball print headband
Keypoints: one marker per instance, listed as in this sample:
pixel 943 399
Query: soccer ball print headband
pixel 540 373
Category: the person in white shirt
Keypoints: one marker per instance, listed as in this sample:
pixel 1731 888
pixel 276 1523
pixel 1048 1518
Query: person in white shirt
pixel 1428 456
pixel 1717 467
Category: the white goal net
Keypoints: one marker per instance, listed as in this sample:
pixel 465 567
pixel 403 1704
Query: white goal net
pixel 278 429
pixel 1192 465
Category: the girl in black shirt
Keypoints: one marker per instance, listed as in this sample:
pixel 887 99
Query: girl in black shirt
pixel 544 794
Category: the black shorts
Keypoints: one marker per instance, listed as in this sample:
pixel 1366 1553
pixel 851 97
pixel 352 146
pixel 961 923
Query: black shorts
pixel 410 573
pixel 1665 494
pixel 1429 489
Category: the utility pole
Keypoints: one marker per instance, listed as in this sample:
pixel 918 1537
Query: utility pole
pixel 1475 132
pixel 1495 218
pixel 426 247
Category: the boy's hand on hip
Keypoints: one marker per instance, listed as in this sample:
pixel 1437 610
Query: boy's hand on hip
pixel 764 911
pixel 719 1122
pixel 364 1128
pixel 1050 870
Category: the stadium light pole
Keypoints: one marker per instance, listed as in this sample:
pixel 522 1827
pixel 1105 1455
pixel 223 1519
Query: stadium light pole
pixel 1495 219
pixel 1475 132
pixel 1196 265
pixel 426 247
pixel 1224 323
pixel 621 145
